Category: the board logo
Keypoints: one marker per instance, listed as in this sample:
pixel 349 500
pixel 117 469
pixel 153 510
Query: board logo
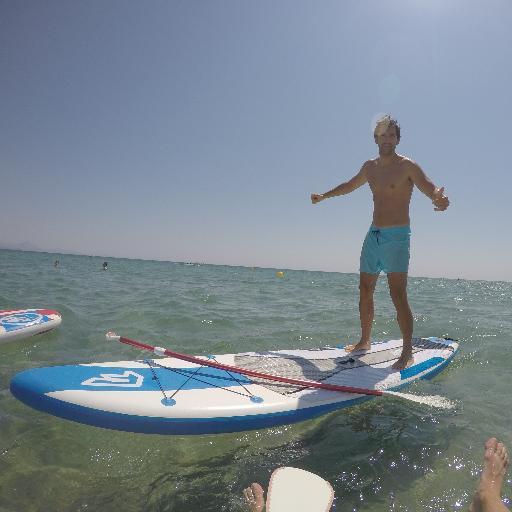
pixel 17 321
pixel 128 379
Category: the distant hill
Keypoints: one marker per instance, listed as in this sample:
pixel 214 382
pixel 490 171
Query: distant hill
pixel 23 246
pixel 30 247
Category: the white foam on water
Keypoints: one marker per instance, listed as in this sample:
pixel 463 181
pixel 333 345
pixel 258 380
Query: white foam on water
pixel 438 401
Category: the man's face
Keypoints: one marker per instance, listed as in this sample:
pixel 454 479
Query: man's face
pixel 386 139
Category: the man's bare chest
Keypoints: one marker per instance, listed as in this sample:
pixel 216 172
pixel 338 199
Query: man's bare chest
pixel 389 179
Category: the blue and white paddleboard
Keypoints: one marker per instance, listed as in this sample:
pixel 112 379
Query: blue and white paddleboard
pixel 171 396
pixel 22 323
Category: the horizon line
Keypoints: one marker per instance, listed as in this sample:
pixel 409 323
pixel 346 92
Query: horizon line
pixel 65 253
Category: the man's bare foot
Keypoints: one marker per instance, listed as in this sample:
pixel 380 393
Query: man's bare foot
pixel 254 498
pixel 362 345
pixel 488 493
pixel 403 362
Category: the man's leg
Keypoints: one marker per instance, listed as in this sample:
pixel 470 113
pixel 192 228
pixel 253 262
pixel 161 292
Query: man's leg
pixel 398 290
pixel 488 493
pixel 367 284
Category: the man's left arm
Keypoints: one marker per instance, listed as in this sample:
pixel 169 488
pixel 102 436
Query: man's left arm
pixel 425 185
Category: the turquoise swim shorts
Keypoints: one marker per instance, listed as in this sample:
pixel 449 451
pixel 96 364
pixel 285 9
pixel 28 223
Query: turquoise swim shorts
pixel 386 250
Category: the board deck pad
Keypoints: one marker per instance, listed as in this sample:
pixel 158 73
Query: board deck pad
pixel 300 367
pixel 172 396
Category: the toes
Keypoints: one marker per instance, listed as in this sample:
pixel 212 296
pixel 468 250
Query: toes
pixel 491 443
pixel 501 450
pixel 257 490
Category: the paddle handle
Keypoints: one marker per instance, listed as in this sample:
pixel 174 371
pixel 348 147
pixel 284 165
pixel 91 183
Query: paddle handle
pixel 111 336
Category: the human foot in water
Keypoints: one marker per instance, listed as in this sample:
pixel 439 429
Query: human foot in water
pixel 488 493
pixel 254 498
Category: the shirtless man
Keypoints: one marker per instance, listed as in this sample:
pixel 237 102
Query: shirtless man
pixel 391 178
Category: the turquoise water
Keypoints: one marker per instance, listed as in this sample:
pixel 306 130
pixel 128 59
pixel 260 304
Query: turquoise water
pixel 384 455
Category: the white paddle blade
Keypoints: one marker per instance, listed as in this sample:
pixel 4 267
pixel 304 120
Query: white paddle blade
pixel 293 489
pixel 432 400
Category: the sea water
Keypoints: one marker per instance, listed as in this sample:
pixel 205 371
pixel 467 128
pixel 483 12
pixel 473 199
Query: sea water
pixel 387 454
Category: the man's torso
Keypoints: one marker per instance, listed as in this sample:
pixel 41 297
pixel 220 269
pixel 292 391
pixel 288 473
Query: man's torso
pixel 392 187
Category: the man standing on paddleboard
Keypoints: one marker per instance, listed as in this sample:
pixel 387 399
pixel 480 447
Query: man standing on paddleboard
pixel 391 178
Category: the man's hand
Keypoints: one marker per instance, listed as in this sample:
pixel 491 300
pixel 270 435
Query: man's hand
pixel 316 198
pixel 439 200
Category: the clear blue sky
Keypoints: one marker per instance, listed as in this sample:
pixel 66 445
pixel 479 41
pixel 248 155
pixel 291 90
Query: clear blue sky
pixel 196 130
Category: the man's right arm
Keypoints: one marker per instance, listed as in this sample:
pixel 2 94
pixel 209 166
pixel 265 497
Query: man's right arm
pixel 345 188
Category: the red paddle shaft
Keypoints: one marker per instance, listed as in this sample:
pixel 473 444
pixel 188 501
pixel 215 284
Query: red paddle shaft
pixel 244 371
